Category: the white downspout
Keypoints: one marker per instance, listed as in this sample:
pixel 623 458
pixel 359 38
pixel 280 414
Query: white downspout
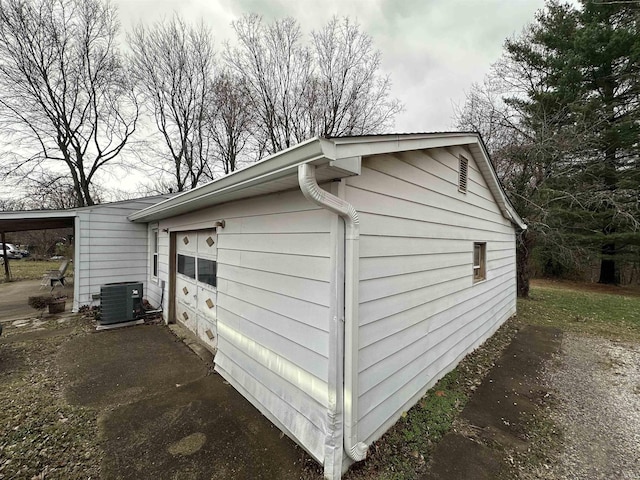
pixel 311 190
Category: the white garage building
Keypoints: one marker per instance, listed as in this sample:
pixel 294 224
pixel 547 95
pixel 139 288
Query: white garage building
pixel 341 278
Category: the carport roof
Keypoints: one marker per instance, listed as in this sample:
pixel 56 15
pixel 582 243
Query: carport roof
pixel 20 221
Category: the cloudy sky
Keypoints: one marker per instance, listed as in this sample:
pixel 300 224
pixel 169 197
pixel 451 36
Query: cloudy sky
pixel 433 49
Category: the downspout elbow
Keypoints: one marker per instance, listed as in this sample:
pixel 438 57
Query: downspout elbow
pixel 356 450
pixel 312 191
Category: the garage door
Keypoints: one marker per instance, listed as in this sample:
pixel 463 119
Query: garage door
pixel 196 278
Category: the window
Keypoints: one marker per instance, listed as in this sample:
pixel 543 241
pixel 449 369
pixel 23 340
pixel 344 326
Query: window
pixel 187 266
pixel 207 271
pixel 463 172
pixel 154 240
pixel 479 261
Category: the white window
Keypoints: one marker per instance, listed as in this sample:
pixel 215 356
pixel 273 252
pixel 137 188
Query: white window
pixel 154 249
pixel 479 261
pixel 463 172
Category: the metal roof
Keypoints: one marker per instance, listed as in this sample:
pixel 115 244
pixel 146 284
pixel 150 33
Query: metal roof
pixel 335 158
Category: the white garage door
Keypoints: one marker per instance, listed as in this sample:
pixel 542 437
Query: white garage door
pixel 196 275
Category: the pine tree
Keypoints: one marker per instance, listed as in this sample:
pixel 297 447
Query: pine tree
pixel 584 70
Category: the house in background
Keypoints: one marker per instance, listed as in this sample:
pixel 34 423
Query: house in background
pixel 339 279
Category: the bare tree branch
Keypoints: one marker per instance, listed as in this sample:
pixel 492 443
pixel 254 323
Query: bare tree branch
pixel 173 65
pixel 64 94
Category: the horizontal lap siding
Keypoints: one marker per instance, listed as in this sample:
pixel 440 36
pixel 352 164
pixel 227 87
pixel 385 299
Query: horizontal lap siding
pixel 111 248
pixel 420 311
pixel 273 301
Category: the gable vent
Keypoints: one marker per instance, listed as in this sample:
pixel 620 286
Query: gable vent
pixel 463 170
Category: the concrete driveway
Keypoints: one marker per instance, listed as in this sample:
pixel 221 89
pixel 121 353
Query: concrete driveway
pixel 14 296
pixel 163 413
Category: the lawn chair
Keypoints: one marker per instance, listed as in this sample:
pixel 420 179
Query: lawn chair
pixel 55 276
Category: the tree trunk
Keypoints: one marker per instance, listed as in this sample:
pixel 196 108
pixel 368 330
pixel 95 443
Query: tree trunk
pixel 608 265
pixel 523 253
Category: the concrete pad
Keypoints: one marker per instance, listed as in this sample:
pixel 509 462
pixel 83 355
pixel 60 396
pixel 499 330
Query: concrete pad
pixel 113 367
pixel 467 459
pixel 163 414
pixel 204 429
pixel 14 296
pixel 495 416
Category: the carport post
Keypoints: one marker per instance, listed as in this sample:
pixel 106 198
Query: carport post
pixel 4 256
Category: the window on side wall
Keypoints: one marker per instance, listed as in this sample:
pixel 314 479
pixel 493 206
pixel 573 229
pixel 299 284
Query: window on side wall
pixel 479 261
pixel 154 240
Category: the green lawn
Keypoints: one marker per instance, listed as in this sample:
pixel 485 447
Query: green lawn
pixel 612 312
pixel 27 269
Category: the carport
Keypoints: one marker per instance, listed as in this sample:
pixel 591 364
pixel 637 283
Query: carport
pixel 23 221
pixel 107 246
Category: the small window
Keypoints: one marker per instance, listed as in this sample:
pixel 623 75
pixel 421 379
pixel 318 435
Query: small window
pixel 155 253
pixel 207 271
pixel 187 266
pixel 479 261
pixel 463 172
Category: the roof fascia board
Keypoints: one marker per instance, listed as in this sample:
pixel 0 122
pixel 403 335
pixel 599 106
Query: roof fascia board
pixel 342 153
pixel 385 144
pixel 498 191
pixel 352 147
pixel 36 214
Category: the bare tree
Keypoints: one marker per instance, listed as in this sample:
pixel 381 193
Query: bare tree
pixel 352 96
pixel 173 65
pixel 276 69
pixel 64 94
pixel 231 121
pixel 531 154
pixel 330 86
pixel 47 190
pixel 11 204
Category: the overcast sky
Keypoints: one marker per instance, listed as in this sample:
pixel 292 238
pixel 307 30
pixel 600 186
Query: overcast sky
pixel 433 49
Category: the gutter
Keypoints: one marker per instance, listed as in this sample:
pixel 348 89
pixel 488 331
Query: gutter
pixel 356 450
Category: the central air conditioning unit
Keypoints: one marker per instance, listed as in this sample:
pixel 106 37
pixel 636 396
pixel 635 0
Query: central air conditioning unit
pixel 120 302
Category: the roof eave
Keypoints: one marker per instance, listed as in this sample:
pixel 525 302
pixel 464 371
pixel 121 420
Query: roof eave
pixel 320 151
pixel 316 150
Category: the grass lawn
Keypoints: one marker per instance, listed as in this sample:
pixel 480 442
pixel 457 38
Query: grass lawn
pixel 404 451
pixel 27 269
pixel 611 312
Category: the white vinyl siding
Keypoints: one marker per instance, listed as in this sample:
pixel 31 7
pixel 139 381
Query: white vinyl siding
pixel 420 310
pixel 110 248
pixel 273 303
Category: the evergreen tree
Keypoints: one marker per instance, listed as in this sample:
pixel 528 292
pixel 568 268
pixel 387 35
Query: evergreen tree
pixel 583 68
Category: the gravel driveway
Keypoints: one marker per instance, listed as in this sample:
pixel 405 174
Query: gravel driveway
pixel 597 385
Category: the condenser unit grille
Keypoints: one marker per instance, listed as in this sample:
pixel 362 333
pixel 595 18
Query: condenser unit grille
pixel 120 302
